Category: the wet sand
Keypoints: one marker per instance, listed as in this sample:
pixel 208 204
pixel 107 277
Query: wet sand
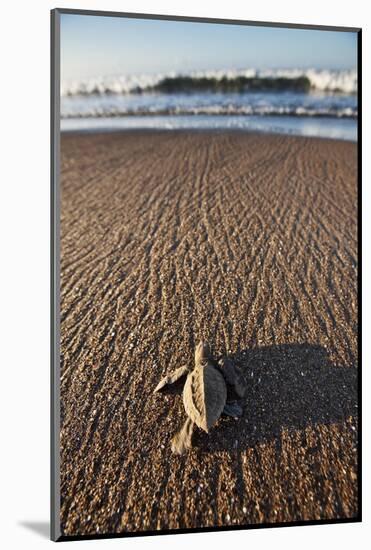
pixel 250 242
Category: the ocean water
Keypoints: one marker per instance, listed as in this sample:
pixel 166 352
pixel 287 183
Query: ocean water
pixel 311 103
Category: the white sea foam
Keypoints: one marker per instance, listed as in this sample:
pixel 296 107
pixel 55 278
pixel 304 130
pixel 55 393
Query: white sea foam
pixel 111 111
pixel 344 81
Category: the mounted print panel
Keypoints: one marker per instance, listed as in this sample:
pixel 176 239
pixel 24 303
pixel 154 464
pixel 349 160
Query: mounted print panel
pixel 204 277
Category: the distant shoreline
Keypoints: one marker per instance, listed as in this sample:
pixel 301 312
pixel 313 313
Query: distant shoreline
pixel 344 129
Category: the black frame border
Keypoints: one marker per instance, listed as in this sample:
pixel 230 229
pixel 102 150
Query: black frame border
pixel 55 531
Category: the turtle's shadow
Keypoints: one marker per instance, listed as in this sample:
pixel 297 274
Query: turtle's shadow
pixel 288 387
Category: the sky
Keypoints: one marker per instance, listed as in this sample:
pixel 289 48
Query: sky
pixel 101 46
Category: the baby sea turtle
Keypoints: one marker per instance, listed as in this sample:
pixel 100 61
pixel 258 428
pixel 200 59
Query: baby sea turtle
pixel 205 394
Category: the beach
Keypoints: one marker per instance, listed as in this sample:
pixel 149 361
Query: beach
pixel 249 241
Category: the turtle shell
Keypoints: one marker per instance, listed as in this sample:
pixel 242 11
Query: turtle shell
pixel 204 396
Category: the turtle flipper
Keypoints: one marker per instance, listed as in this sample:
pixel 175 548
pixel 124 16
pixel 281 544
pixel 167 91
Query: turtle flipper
pixel 233 376
pixel 182 441
pixel 171 378
pixel 233 409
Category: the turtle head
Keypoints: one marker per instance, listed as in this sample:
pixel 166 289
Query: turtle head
pixel 202 352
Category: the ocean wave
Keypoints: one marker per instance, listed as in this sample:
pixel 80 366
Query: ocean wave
pixel 341 81
pixel 99 112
